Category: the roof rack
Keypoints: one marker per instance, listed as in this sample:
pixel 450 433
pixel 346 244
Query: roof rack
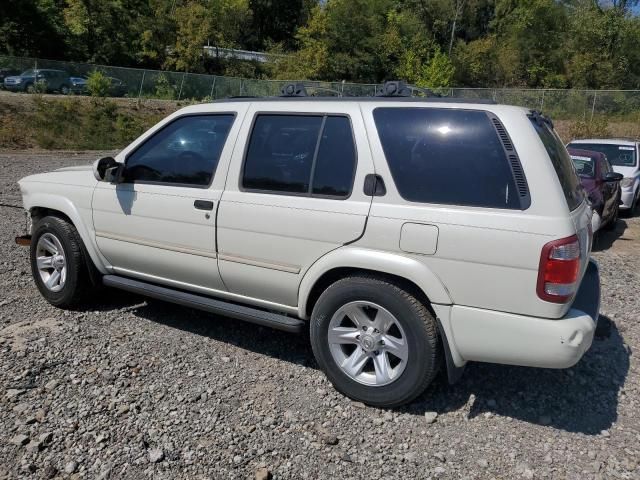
pixel 399 88
pixel 294 90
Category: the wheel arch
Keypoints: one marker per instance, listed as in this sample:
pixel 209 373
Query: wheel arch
pixel 42 205
pixel 408 273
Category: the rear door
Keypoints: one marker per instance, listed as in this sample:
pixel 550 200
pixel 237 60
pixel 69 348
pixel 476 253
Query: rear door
pixel 294 193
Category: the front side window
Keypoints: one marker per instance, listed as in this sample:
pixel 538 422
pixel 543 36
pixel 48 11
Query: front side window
pixel 619 155
pixel 184 152
pixel 446 156
pixel 300 154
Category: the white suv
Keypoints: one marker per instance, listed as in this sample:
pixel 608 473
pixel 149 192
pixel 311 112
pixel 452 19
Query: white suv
pixel 623 154
pixel 406 231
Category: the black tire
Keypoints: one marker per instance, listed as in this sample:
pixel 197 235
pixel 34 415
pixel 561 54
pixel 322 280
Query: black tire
pixel 77 278
pixel 418 324
pixel 611 224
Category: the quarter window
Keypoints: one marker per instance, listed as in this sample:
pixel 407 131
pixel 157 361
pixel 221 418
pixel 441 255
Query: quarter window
pixel 446 156
pixel 300 154
pixel 185 152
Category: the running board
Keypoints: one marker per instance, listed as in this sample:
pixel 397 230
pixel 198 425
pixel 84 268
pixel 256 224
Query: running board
pixel 200 302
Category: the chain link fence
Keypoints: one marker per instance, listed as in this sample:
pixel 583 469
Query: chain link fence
pixel 142 83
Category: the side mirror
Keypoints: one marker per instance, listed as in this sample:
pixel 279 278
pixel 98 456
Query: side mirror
pixel 613 177
pixel 105 168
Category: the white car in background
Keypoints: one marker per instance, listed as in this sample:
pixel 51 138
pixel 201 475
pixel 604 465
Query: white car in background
pixel 623 154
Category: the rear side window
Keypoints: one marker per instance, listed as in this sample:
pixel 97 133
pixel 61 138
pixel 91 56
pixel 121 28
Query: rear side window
pixel 301 155
pixel 562 163
pixel 446 156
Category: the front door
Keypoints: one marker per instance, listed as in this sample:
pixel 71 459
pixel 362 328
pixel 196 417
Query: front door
pixel 158 222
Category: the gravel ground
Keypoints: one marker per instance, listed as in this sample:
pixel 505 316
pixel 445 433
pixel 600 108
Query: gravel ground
pixel 133 388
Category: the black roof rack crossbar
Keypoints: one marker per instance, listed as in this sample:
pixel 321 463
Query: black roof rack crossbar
pixel 294 90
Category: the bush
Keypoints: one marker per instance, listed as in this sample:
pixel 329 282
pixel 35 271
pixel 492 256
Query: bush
pixel 164 89
pixel 598 128
pixel 98 84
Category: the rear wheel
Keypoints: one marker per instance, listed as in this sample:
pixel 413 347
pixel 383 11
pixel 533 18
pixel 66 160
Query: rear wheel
pixel 375 341
pixel 57 262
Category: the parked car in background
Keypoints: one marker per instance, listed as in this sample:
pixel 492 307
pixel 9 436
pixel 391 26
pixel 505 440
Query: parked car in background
pixel 52 81
pixel 7 72
pixel 78 85
pixel 623 155
pixel 601 184
pixel 118 88
pixel 408 233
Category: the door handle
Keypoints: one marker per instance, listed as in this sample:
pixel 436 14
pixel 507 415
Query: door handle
pixel 203 204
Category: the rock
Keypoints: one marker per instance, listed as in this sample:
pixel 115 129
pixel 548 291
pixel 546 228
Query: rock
pixel 430 417
pixel 51 385
pixel 49 471
pixel 226 359
pixel 439 471
pixel 548 459
pixel 237 459
pixel 156 455
pixel 528 473
pixel 19 440
pixel 34 446
pixel 263 474
pixel 14 393
pixel 482 462
pixel 329 438
pixel 105 473
pixel 71 467
pixel 605 433
pixel 440 456
pixel 40 415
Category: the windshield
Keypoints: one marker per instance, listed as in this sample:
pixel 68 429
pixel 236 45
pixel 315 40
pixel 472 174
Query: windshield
pixel 27 73
pixel 585 166
pixel 620 155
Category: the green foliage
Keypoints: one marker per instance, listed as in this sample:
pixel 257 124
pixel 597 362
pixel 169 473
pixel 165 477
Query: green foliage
pixel 98 84
pixel 478 43
pixel 164 88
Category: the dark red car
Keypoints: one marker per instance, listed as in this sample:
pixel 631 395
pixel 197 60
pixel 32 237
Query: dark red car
pixel 602 185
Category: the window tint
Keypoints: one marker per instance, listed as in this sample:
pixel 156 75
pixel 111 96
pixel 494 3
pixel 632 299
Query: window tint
pixel 302 154
pixel 562 163
pixel 446 156
pixel 184 152
pixel 335 165
pixel 620 155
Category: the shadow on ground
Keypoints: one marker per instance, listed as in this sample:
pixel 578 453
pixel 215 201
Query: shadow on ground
pixel 581 399
pixel 604 239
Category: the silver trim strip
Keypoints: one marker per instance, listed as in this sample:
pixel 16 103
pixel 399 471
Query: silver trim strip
pixel 259 263
pixel 164 246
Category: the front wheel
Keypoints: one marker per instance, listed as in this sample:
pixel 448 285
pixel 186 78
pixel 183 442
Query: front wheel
pixel 376 342
pixel 57 262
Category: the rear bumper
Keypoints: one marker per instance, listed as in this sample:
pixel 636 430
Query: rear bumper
pixel 497 337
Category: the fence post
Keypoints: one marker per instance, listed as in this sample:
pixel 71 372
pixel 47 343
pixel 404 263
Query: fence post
pixel 213 86
pixel 593 106
pixel 181 84
pixel 241 86
pixel 542 101
pixel 141 83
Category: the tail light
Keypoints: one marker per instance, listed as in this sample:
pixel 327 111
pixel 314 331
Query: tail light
pixel 559 270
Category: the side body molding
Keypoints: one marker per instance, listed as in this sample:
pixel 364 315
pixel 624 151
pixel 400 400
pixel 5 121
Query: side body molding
pixel 376 260
pixel 80 216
